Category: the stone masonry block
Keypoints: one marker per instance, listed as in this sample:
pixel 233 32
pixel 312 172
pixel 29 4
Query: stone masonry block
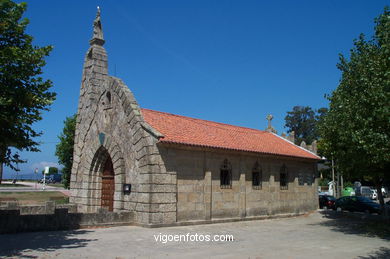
pixel 163 197
pixel 167 207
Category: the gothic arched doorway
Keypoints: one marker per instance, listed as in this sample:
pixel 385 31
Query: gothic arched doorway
pixel 108 185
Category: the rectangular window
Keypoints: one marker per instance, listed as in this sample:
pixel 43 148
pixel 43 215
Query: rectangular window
pixel 226 182
pixel 301 178
pixel 256 180
pixel 283 181
pixel 309 179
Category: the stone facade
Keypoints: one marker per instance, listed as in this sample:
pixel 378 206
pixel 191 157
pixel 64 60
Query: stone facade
pixel 110 125
pixel 200 196
pixel 169 183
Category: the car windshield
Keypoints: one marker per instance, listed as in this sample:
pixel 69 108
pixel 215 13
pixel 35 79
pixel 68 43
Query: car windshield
pixel 331 198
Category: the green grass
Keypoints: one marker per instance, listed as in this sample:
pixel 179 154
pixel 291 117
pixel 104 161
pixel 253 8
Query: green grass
pixel 56 184
pixel 34 197
pixel 11 185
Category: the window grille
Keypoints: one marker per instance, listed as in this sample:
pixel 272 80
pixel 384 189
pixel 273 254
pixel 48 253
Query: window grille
pixel 226 175
pixel 257 177
pixel 301 178
pixel 283 178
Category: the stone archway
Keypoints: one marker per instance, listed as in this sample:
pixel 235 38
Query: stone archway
pixel 108 185
pixel 106 176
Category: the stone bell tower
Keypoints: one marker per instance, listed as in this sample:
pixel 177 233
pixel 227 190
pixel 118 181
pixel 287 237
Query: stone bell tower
pixel 93 83
pixel 94 78
pixel 117 164
pixel 96 62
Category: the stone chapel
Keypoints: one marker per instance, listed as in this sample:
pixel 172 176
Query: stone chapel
pixel 171 169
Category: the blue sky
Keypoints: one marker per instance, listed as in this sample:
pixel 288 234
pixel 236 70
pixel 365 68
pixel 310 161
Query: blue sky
pixel 226 61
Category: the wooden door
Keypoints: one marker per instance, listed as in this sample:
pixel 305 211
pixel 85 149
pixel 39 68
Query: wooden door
pixel 108 185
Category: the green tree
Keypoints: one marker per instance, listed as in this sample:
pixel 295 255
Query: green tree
pixel 64 149
pixel 356 130
pixel 23 92
pixel 303 120
pixel 52 170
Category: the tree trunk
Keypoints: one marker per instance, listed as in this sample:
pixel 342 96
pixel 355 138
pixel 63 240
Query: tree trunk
pixel 2 159
pixel 1 172
pixel 380 197
pixel 334 182
pixel 338 185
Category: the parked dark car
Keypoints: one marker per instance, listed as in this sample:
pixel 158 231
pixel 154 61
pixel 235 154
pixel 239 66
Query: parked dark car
pixel 357 203
pixel 53 178
pixel 327 201
pixel 47 180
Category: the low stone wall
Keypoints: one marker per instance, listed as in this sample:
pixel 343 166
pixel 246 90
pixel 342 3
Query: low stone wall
pixel 48 217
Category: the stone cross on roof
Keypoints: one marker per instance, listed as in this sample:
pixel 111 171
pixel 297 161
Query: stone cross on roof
pixel 97 37
pixel 269 118
pixel 270 128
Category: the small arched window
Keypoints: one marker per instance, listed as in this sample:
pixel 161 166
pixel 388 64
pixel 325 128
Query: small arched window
pixel 283 178
pixel 226 175
pixel 108 98
pixel 257 177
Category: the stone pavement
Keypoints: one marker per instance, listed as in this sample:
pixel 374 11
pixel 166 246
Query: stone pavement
pixel 314 236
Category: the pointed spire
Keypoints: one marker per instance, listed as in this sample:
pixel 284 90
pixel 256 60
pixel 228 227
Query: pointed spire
pixel 97 38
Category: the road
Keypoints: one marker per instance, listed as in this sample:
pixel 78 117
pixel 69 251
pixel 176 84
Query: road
pixel 32 187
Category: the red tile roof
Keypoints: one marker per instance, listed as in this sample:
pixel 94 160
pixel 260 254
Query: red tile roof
pixel 190 131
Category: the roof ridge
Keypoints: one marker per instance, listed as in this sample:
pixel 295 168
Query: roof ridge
pixel 221 123
pixel 295 145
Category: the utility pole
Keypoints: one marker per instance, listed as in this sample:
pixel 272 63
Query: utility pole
pixel 36 178
pixel 47 168
pixel 338 184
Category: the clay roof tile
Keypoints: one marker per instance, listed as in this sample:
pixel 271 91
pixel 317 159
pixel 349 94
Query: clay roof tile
pixel 190 131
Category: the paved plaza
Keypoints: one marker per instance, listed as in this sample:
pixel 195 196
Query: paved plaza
pixel 313 236
pixel 32 187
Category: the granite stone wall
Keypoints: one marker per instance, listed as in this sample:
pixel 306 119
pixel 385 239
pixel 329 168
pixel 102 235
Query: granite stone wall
pixel 200 196
pixel 49 217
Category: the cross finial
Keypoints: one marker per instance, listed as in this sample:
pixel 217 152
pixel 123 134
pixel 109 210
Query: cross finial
pixel 97 37
pixel 270 128
pixel 269 118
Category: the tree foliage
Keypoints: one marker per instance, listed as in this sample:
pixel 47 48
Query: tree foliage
pixel 303 121
pixel 356 130
pixel 24 94
pixel 64 149
pixel 52 170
